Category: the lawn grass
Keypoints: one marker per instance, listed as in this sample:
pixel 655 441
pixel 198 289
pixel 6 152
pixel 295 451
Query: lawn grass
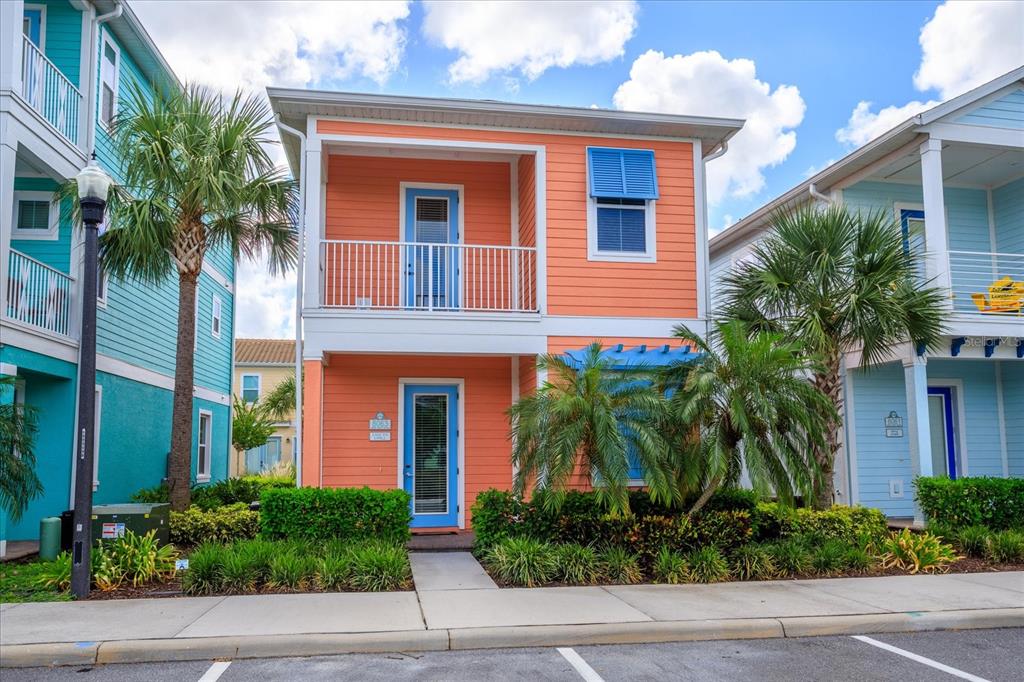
pixel 19 582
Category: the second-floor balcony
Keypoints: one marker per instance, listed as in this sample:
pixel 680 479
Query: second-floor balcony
pixel 38 295
pixel 49 92
pixel 987 284
pixel 435 277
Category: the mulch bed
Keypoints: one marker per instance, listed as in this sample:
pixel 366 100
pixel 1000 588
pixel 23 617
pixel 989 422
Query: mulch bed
pixel 172 590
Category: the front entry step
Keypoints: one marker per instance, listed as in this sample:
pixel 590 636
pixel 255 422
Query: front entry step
pixel 441 542
pixel 448 571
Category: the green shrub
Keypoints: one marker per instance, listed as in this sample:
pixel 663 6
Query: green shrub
pixel 753 562
pixel 522 561
pixel 915 552
pixel 725 530
pixel 320 514
pixel 972 540
pixel 997 503
pixel 334 571
pixel 621 566
pixel 772 520
pixel 208 496
pixel 291 570
pixel 1006 547
pixel 155 495
pixel 670 567
pixel 857 559
pixel 495 514
pixel 380 567
pixel 645 536
pixel 829 556
pixel 140 559
pixel 576 564
pixel 195 526
pixel 258 554
pixel 238 574
pixel 56 574
pixel 708 565
pixel 205 566
pixel 791 556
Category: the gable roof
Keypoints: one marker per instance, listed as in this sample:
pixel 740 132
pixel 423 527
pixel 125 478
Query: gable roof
pixel 264 352
pixel 859 159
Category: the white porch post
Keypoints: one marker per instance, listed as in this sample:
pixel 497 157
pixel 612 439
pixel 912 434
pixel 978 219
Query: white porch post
pixel 915 377
pixel 8 156
pixel 311 295
pixel 937 251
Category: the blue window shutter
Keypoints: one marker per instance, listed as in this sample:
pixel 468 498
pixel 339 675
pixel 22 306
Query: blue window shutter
pixel 621 229
pixel 622 173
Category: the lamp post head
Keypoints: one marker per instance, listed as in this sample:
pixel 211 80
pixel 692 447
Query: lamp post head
pixel 93 186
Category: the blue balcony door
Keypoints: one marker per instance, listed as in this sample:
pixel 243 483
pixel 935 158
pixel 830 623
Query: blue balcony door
pixel 942 428
pixel 430 458
pixel 32 26
pixel 431 266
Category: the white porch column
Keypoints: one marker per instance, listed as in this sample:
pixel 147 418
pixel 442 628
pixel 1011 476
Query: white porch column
pixel 8 155
pixel 935 234
pixel 915 377
pixel 314 185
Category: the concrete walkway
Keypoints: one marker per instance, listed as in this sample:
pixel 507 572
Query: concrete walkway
pixel 463 610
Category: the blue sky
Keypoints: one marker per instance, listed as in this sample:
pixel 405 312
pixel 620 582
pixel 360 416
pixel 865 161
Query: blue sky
pixel 814 80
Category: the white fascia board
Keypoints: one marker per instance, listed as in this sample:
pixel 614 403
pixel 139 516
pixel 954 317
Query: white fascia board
pixel 1009 138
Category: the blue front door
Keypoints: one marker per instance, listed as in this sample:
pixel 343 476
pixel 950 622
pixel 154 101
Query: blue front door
pixel 942 430
pixel 431 262
pixel 431 460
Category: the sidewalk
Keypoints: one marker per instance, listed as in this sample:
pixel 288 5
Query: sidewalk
pixel 467 611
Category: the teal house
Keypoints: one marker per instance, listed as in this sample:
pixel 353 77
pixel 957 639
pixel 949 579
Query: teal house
pixel 65 71
pixel 953 176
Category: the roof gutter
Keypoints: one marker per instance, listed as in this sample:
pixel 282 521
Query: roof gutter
pixel 721 149
pixel 813 191
pixel 297 441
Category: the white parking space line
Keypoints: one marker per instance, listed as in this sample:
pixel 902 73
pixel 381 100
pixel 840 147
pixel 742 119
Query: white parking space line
pixel 920 659
pixel 581 666
pixel 214 672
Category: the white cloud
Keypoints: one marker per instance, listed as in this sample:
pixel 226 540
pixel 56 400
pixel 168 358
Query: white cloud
pixel 529 37
pixel 266 304
pixel 966 44
pixel 707 84
pixel 865 125
pixel 249 45
pixel 814 170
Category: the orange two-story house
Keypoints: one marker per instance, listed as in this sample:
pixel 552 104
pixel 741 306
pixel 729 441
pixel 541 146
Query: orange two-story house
pixel 448 243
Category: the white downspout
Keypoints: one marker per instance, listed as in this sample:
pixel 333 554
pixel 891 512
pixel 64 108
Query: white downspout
pixel 813 191
pixel 722 149
pixel 297 442
pixel 90 125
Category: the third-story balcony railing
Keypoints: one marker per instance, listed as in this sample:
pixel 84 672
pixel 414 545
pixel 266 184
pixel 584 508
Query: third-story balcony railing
pixel 49 92
pixel 377 275
pixel 987 283
pixel 38 295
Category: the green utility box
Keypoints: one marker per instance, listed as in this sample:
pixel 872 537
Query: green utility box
pixel 110 521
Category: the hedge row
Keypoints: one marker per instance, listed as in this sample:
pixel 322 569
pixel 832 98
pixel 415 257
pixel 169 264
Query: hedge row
pixel 195 526
pixel 208 496
pixel 323 514
pixel 730 520
pixel 997 503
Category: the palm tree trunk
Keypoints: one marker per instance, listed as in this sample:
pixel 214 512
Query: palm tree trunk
pixel 713 485
pixel 829 383
pixel 180 460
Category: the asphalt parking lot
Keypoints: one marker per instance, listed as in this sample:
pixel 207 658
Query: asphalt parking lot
pixel 994 655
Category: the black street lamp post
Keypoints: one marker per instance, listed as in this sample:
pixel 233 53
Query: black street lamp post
pixel 93 185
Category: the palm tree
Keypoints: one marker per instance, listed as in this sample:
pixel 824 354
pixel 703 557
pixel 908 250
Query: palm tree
pixel 280 401
pixel 586 422
pixel 18 481
pixel 839 281
pixel 195 176
pixel 744 402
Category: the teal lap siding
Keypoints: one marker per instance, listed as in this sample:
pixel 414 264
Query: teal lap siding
pixel 54 252
pixel 1004 112
pixel 64 38
pixel 979 440
pixel 1013 407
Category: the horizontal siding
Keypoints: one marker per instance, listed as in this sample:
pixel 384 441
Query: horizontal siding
pixel 980 439
pixel 1005 112
pixel 54 252
pixel 577 286
pixel 526 177
pixel 64 38
pixel 1008 213
pixel 1013 407
pixel 356 387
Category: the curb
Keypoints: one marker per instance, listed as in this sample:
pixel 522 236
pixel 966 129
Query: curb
pixel 286 646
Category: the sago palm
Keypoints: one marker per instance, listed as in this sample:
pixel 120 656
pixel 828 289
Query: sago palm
pixel 584 424
pixel 744 402
pixel 839 281
pixel 195 175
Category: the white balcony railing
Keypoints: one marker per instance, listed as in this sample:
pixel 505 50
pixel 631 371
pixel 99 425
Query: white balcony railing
pixel 375 275
pixel 987 283
pixel 38 295
pixel 49 92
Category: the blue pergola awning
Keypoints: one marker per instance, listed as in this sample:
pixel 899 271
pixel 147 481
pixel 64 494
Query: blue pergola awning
pixel 631 358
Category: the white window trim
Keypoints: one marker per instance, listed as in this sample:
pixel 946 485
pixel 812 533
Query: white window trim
pixel 195 324
pixel 204 476
pixel 104 284
pixel 42 23
pixel 107 40
pixel 53 221
pixel 650 237
pixel 259 385
pixel 215 318
pixel 96 438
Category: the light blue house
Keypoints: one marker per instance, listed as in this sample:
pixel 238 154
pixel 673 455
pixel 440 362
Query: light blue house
pixel 65 68
pixel 958 171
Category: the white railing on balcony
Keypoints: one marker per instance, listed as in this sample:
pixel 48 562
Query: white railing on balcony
pixel 377 275
pixel 49 92
pixel 38 295
pixel 987 283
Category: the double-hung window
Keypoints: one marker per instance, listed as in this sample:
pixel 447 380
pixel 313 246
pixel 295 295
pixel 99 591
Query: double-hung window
pixel 110 65
pixel 215 318
pixel 205 441
pixel 250 387
pixel 622 190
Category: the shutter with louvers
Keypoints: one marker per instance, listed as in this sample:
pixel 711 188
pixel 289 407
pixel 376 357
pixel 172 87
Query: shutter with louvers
pixel 622 173
pixel 33 215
